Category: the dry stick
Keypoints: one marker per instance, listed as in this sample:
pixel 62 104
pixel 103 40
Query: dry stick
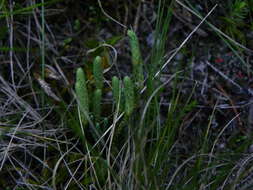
pixel 182 44
pixel 215 28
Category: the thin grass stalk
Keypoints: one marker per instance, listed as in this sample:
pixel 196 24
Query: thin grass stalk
pixel 160 37
pixel 157 57
pixel 204 148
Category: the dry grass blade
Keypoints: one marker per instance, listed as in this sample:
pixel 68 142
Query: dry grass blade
pixel 5 88
pixel 10 142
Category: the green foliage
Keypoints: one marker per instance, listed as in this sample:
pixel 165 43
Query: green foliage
pixel 235 19
pixel 129 95
pixel 238 10
pixel 98 72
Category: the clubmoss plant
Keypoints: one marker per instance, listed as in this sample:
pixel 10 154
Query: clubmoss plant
pixel 97 104
pixel 129 95
pixel 136 58
pixel 82 94
pixel 116 90
pixel 98 72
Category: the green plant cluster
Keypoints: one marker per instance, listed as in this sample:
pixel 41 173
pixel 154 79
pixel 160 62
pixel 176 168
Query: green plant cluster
pixel 90 106
pixel 123 91
pixel 235 19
